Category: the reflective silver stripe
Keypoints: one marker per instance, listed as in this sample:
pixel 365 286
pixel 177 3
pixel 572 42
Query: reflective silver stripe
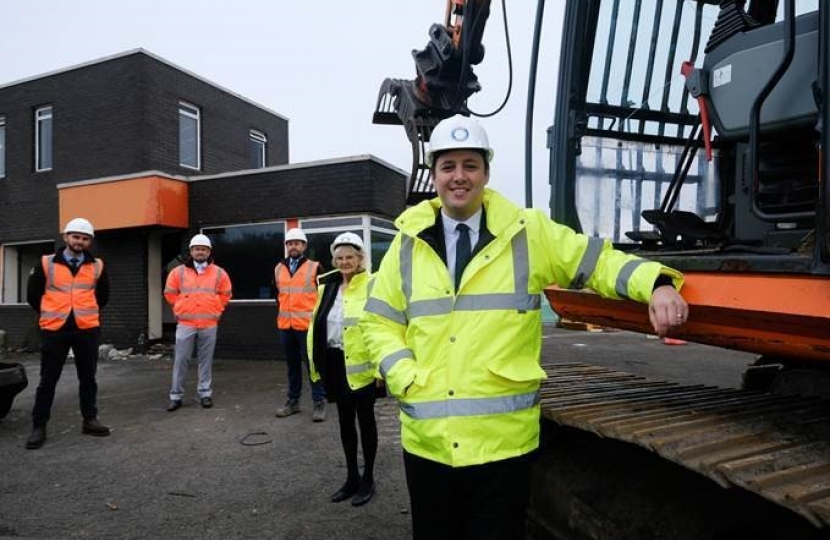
pixel 588 263
pixel 309 274
pixel 296 314
pixel 218 279
pixel 521 262
pixel 86 311
pixel 197 289
pixel 360 368
pixel 171 290
pixel 83 286
pixel 520 300
pixel 53 315
pixel 50 275
pixel 392 359
pixel 381 308
pixel 198 316
pixel 425 308
pixel 497 301
pixel 447 408
pixel 65 289
pixel 50 278
pixel 407 248
pixel 625 276
pixel 297 289
pixel 350 321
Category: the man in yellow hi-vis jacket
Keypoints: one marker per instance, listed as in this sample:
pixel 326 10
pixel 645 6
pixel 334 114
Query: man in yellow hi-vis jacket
pixel 453 323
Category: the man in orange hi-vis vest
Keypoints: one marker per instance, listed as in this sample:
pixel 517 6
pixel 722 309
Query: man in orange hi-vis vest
pixel 295 279
pixel 67 289
pixel 198 292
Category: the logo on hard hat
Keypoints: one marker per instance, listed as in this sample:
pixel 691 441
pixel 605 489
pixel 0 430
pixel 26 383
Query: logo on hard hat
pixel 460 134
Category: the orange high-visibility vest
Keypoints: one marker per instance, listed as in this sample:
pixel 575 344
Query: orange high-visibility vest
pixel 65 294
pixel 297 295
pixel 198 300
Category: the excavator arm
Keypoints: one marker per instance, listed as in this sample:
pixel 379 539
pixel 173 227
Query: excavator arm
pixel 444 80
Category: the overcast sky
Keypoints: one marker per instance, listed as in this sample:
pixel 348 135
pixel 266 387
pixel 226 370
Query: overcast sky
pixel 318 63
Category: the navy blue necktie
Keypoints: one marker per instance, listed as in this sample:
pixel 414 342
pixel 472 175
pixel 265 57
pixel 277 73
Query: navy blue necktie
pixel 462 251
pixel 293 265
pixel 73 262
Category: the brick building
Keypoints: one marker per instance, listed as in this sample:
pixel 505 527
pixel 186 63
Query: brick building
pixel 152 154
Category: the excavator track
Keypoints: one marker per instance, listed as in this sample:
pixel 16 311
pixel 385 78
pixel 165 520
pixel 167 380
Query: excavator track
pixel 773 445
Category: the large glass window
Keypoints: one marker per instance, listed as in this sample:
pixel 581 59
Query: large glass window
pixel 258 144
pixel 43 139
pixel 18 262
pixel 189 136
pixel 249 254
pixel 322 233
pixel 2 147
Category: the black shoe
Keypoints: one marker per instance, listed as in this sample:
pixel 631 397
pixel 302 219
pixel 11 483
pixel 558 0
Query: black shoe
pixel 95 428
pixel 364 493
pixel 37 438
pixel 206 402
pixel 348 489
pixel 173 405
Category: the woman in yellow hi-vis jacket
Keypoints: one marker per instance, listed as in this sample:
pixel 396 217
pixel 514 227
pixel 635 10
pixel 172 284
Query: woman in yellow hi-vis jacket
pixel 453 323
pixel 338 356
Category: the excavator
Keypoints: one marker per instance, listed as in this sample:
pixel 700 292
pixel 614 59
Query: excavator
pixel 692 132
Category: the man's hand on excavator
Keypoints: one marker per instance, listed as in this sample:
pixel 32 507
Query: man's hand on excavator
pixel 667 309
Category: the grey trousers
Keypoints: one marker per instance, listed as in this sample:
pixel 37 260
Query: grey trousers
pixel 186 337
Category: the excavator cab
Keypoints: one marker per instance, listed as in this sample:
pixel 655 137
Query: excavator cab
pixel 693 126
pixel 692 132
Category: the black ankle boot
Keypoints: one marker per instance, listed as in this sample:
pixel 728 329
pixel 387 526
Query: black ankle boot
pixel 348 489
pixel 37 438
pixel 364 492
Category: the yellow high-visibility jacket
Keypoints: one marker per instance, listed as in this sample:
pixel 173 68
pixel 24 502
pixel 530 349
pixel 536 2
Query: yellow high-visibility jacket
pixel 465 365
pixel 360 371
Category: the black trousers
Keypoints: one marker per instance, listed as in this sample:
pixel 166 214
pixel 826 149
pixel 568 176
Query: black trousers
pixel 84 344
pixel 358 404
pixel 481 502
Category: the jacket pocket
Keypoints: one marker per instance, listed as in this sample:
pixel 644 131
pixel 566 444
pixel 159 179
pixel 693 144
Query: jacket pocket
pixel 517 370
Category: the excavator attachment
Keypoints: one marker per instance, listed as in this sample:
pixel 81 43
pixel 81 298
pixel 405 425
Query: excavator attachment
pixel 398 105
pixel 444 81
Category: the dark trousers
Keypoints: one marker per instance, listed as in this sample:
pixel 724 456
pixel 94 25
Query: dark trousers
pixel 84 344
pixel 296 354
pixel 358 404
pixel 481 502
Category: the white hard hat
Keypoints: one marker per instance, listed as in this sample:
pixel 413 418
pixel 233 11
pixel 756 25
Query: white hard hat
pixel 295 234
pixel 79 225
pixel 347 239
pixel 458 133
pixel 201 240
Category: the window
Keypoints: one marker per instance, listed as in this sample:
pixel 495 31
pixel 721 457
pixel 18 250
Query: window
pixel 2 147
pixel 189 136
pixel 322 232
pixel 258 144
pixel 249 254
pixel 43 139
pixel 18 262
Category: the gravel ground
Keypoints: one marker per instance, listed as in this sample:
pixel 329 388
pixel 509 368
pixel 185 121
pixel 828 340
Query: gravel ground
pixel 235 471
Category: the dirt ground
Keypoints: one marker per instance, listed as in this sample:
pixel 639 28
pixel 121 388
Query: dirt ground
pixel 236 471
